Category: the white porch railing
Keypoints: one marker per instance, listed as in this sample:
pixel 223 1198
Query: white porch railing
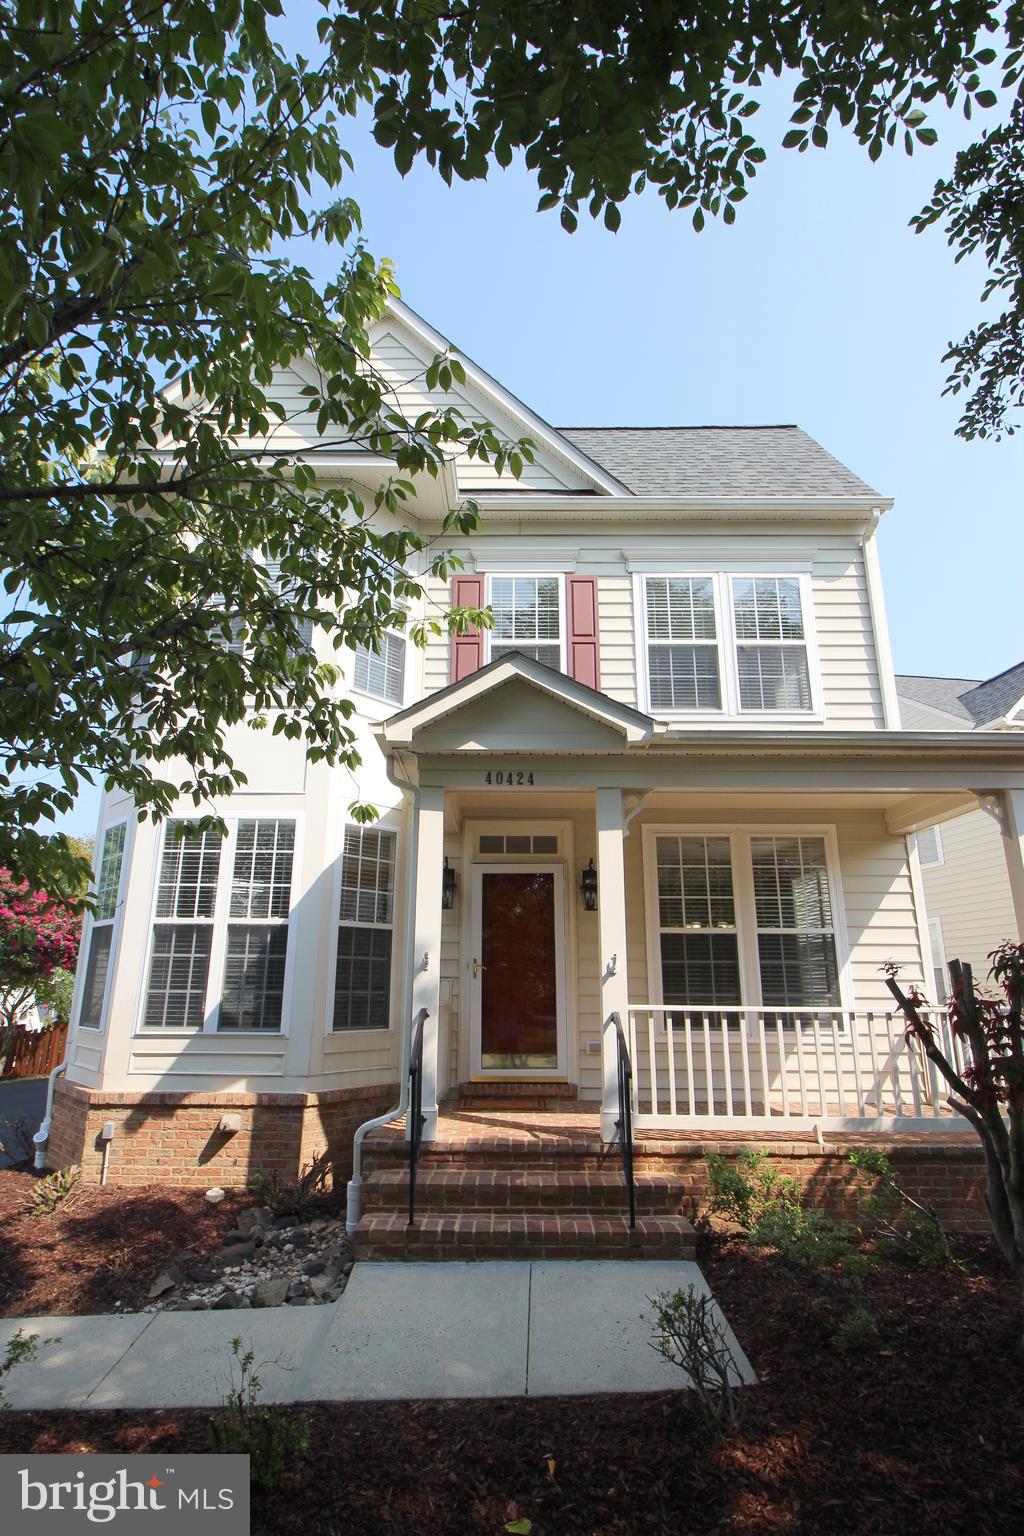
pixel 757 1068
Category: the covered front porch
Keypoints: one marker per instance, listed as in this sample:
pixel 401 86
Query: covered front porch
pixel 717 909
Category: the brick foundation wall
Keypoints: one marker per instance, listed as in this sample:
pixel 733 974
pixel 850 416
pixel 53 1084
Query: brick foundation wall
pixel 172 1138
pixel 950 1176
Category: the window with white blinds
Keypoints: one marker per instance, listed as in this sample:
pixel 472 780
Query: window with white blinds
pixel 182 942
pixel 381 672
pixel 362 980
pixel 796 943
pixel 527 617
pixel 682 643
pixel 233 902
pixel 101 936
pixel 302 627
pixel 699 941
pixel 256 954
pixel 771 647
pixel 740 917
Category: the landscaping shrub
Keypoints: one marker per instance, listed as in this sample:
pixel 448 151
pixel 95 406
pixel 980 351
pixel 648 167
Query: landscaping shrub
pixel 268 1436
pixel 54 1190
pixel 805 1237
pixel 20 1351
pixel 747 1186
pixel 687 1331
pixel 898 1223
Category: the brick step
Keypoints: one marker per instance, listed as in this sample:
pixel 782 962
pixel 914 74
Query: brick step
pixel 570 1157
pixel 523 1235
pixel 519 1189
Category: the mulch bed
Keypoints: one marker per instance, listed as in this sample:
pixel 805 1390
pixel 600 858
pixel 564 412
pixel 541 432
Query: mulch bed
pixel 100 1246
pixel 917 1434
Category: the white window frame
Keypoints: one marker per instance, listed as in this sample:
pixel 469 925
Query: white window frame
pixel 526 575
pixel 378 698
pixel 940 857
pixel 115 924
pixel 739 835
pixel 937 946
pixel 219 943
pixel 395 927
pixel 722 577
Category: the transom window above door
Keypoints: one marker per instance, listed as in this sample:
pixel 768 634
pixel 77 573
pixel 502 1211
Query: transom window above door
pixel 718 644
pixel 527 617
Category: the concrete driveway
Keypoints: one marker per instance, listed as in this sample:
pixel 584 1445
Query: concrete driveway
pixel 25 1096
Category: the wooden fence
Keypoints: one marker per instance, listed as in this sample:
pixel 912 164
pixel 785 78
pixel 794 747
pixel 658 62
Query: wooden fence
pixel 36 1051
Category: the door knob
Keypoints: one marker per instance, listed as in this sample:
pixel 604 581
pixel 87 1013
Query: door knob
pixel 477 968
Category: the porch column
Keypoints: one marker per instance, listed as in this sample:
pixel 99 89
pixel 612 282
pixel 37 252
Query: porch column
pixel 611 909
pixel 1012 828
pixel 426 945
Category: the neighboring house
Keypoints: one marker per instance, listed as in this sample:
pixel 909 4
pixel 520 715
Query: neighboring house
pixel 963 860
pixel 669 788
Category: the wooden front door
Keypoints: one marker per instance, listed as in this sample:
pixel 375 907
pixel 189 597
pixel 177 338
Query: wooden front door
pixel 517 970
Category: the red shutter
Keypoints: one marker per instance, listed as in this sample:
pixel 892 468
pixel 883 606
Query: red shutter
pixel 467 650
pixel 584 640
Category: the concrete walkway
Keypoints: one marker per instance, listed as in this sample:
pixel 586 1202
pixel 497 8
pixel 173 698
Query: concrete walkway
pixel 400 1331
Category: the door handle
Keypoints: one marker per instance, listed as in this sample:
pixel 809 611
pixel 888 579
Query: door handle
pixel 477 968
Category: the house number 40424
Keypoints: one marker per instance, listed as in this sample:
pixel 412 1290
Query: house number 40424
pixel 508 776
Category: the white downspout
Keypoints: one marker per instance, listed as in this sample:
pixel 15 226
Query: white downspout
pixel 42 1136
pixel 353 1197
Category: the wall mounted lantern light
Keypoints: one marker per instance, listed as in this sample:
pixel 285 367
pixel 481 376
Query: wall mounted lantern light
pixel 448 888
pixel 588 887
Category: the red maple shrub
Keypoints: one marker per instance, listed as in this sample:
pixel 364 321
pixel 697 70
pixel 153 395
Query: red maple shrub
pixel 986 1078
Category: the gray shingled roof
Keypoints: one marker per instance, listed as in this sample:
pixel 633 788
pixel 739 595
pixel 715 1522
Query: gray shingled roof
pixel 762 462
pixel 996 696
pixel 965 697
pixel 938 693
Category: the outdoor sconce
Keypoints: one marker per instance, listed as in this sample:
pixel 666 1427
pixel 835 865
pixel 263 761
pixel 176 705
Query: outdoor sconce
pixel 448 888
pixel 588 887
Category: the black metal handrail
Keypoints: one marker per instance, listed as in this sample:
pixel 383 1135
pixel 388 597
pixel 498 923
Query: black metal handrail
pixel 624 1124
pixel 417 1119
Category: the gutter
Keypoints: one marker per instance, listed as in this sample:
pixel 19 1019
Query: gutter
pixel 354 1188
pixel 42 1136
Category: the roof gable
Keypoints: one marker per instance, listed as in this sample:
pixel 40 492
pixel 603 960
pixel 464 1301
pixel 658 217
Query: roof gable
pixel 517 702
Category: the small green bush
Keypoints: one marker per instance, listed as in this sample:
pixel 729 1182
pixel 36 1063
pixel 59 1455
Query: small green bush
pixel 247 1427
pixel 899 1224
pixel 21 1350
pixel 747 1186
pixel 54 1190
pixel 688 1332
pixel 856 1328
pixel 807 1238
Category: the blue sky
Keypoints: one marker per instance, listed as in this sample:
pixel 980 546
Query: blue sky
pixel 819 306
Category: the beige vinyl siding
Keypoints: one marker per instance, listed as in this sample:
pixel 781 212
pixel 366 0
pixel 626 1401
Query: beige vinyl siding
pixel 969 892
pixel 842 619
pixel 403 369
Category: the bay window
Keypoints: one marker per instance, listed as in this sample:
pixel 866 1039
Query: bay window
pixel 101 934
pixel 233 903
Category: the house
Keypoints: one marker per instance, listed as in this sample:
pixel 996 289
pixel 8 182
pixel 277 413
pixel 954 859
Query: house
pixel 649 832
pixel 963 866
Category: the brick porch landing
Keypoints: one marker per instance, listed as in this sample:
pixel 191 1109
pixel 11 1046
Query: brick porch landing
pixel 504 1182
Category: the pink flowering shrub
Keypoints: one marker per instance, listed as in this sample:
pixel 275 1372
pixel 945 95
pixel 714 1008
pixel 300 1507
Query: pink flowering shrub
pixel 38 936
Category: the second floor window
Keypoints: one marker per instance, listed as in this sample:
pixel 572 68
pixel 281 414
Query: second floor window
pixel 727 645
pixel 771 648
pixel 381 672
pixel 527 617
